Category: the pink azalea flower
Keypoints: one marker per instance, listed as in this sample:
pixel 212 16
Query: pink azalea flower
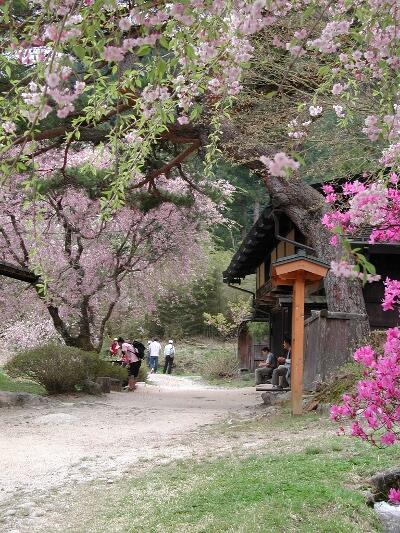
pixel 394 496
pixel 388 438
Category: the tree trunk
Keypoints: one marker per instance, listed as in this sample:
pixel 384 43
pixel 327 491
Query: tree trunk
pixel 305 207
pixel 82 341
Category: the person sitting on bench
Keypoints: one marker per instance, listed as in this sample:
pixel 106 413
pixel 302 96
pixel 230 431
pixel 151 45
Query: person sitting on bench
pixel 284 367
pixel 266 367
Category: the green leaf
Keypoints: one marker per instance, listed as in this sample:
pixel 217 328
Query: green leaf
pixel 163 41
pixel 144 50
pixel 79 51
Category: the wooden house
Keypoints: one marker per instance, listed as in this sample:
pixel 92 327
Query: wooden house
pixel 328 336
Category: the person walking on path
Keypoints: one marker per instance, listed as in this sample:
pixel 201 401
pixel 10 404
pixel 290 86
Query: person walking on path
pixel 169 352
pixel 155 350
pixel 132 361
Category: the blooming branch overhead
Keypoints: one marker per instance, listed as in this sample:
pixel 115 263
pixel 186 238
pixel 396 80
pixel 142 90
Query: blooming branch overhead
pixel 133 74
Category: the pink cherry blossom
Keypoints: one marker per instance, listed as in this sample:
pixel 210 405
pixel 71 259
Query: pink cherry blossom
pixel 183 119
pixel 125 24
pixel 388 438
pixel 113 53
pixel 339 111
pixel 9 126
pixel 315 110
pixel 280 164
pixel 53 79
pixel 338 88
pixel 365 355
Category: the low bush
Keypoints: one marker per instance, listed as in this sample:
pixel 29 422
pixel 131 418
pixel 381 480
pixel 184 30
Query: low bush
pixel 60 368
pixel 119 372
pixel 143 372
pixel 343 381
pixel 220 365
pixel 105 368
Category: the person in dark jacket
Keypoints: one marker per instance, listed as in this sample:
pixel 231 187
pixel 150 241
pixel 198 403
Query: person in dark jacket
pixel 266 367
pixel 132 360
pixel 169 353
pixel 284 366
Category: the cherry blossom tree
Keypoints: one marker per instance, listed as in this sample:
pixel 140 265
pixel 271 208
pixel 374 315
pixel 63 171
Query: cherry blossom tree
pixel 85 259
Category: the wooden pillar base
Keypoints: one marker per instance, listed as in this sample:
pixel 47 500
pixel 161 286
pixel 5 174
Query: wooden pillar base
pixel 297 362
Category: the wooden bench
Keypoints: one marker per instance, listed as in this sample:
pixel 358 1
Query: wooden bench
pixel 267 387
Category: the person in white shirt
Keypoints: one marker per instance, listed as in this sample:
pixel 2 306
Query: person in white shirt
pixel 155 349
pixel 169 352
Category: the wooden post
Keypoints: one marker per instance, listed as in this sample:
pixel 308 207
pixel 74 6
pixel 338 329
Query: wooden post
pixel 297 362
pixel 296 271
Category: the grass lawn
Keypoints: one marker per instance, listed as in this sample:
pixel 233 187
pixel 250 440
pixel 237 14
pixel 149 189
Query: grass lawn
pixel 314 489
pixel 191 354
pixel 245 381
pixel 17 385
pixel 207 358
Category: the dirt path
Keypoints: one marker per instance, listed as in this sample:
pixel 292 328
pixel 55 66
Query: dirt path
pixel 79 439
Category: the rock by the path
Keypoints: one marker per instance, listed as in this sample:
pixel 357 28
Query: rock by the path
pixel 274 398
pixel 382 482
pixel 105 384
pixel 323 408
pixel 38 513
pixel 369 497
pixel 15 399
pixel 91 387
pixel 10 512
pixel 267 398
pixel 389 516
pixel 56 418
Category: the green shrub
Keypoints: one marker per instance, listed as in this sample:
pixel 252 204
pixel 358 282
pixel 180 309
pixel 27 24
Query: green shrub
pixel 119 372
pixel 220 365
pixel 143 372
pixel 344 380
pixel 106 369
pixel 60 368
pixel 258 330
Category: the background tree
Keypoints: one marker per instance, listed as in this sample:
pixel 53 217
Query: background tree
pixel 84 259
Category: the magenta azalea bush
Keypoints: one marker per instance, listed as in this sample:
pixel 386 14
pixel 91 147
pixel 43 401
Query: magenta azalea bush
pixel 375 406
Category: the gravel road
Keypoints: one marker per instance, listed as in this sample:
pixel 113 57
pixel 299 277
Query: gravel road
pixel 78 439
